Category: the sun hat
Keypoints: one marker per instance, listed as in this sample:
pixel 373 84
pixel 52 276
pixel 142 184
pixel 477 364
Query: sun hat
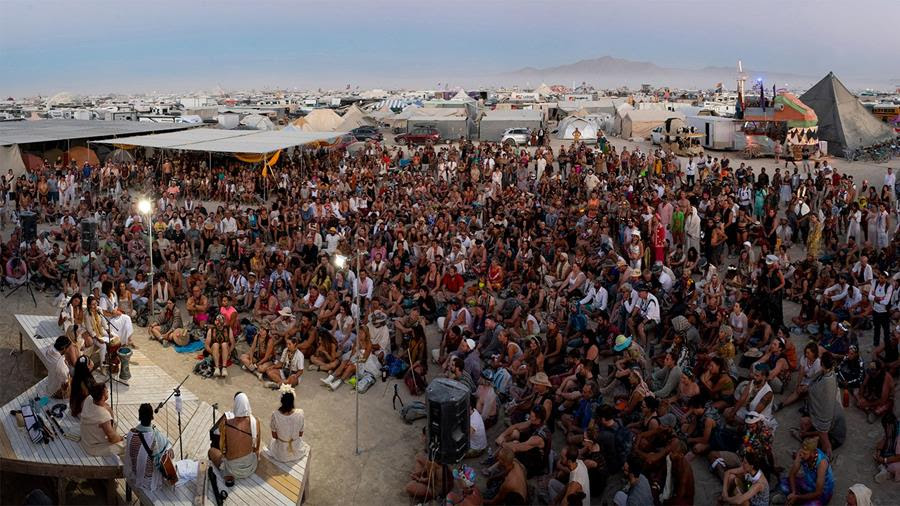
pixel 541 379
pixel 470 343
pixel 622 343
pixel 286 312
pixel 680 323
pixel 771 259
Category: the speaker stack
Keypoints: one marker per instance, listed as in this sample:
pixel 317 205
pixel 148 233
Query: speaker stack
pixel 89 236
pixel 447 404
pixel 29 226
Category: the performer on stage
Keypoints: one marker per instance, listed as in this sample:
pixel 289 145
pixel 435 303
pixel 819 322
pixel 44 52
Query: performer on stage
pixel 141 462
pixel 238 451
pixel 119 321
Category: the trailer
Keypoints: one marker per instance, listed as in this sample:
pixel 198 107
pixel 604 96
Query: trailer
pixel 717 132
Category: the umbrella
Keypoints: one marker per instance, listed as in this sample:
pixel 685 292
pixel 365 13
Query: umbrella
pixel 120 156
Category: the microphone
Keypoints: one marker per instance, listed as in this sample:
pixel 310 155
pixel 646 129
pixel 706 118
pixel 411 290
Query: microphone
pixel 159 407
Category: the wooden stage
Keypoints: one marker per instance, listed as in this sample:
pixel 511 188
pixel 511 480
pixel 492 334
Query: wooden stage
pixel 65 460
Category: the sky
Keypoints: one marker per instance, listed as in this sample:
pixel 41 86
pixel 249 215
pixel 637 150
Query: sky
pixel 99 46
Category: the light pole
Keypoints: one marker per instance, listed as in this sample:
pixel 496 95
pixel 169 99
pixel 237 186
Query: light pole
pixel 146 207
pixel 340 261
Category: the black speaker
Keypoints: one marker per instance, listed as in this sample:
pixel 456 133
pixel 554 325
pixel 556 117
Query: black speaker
pixel 29 226
pixel 88 235
pixel 447 403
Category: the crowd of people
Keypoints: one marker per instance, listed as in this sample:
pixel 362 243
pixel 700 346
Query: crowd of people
pixel 615 313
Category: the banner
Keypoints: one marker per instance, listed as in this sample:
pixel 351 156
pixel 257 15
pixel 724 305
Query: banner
pixel 256 157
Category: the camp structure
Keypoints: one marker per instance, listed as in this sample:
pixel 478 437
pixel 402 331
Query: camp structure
pixel 585 126
pixel 639 123
pixel 494 123
pixel 450 126
pixel 355 118
pixel 843 121
pixel 788 121
pixel 319 120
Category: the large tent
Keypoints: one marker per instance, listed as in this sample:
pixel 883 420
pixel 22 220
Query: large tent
pixel 638 123
pixel 843 121
pixel 228 141
pixel 587 128
pixel 355 118
pixel 494 123
pixel 319 120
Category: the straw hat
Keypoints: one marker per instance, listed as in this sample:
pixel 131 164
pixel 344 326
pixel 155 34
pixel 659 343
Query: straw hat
pixel 541 379
pixel 286 312
pixel 681 324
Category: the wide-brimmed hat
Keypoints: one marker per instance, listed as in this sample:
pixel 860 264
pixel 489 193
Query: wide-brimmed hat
pixel 541 379
pixel 286 311
pixel 209 225
pixel 771 259
pixel 680 323
pixel 622 343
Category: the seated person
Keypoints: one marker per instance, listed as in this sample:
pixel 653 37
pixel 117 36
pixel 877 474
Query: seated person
pixel 427 478
pixel 16 271
pixel 810 479
pixel 287 429
pixel 238 451
pixel 98 437
pixel 60 356
pixel 144 449
pixel 169 326
pixel 528 441
pixel 287 369
pixel 887 451
pixel 219 343
pixel 746 484
pixel 876 394
pixel 262 351
pixel 327 356
pixel 486 402
pixel 513 489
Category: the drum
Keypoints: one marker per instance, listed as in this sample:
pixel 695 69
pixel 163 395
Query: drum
pixel 112 354
pixel 124 355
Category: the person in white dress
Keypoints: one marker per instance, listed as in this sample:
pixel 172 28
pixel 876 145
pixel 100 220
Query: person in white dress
pixel 287 429
pixel 119 322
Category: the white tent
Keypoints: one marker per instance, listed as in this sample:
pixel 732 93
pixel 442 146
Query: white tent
pixel 567 127
pixel 543 90
pixel 354 118
pixel 639 123
pixel 462 97
pixel 257 122
pixel 320 120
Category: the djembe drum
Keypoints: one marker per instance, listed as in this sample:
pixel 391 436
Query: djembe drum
pixel 124 355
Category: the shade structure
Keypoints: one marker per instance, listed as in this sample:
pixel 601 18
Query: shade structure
pixel 228 141
pixel 52 130
pixel 82 155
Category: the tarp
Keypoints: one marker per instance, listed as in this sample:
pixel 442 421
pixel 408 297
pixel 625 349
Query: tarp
pixel 11 158
pixel 257 122
pixel 639 123
pixel 843 121
pixel 81 155
pixel 228 141
pixel 50 130
pixel 32 161
pixel 120 156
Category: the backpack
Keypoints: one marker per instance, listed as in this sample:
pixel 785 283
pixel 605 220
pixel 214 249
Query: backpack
pixel 413 411
pixel 395 367
pixel 790 354
pixel 415 380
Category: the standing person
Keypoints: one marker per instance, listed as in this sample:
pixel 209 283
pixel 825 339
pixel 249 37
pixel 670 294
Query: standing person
pixel 881 296
pixel 238 452
pixel 144 449
pixel 287 429
pixel 822 402
pixel 692 230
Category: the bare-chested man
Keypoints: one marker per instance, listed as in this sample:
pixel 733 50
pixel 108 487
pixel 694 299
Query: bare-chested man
pixel 238 452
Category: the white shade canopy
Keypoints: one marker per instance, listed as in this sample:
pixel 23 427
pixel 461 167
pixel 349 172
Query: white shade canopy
pixel 227 141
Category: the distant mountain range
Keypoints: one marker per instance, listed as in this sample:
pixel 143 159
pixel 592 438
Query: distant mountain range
pixel 609 72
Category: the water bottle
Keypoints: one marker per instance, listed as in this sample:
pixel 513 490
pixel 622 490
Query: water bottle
pixel 365 383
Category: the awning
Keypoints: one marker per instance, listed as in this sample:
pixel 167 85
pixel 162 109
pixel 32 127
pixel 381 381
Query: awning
pixel 228 141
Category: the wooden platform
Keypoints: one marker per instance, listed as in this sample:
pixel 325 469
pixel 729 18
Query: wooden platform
pixel 274 483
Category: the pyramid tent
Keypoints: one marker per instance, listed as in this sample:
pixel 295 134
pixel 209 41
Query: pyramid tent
pixel 543 90
pixel 320 120
pixel 843 121
pixel 354 118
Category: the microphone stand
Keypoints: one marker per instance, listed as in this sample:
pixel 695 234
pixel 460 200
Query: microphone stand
pixel 176 392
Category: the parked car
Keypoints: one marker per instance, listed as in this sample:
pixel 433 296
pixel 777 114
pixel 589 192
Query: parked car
pixel 657 135
pixel 366 133
pixel 516 136
pixel 419 135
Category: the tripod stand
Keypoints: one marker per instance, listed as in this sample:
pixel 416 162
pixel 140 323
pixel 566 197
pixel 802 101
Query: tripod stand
pixel 176 392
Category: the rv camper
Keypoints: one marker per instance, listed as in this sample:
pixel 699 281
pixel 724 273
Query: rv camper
pixel 718 132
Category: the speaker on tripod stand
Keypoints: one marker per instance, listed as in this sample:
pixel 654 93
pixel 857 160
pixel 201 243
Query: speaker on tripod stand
pixel 28 221
pixel 89 242
pixel 447 405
